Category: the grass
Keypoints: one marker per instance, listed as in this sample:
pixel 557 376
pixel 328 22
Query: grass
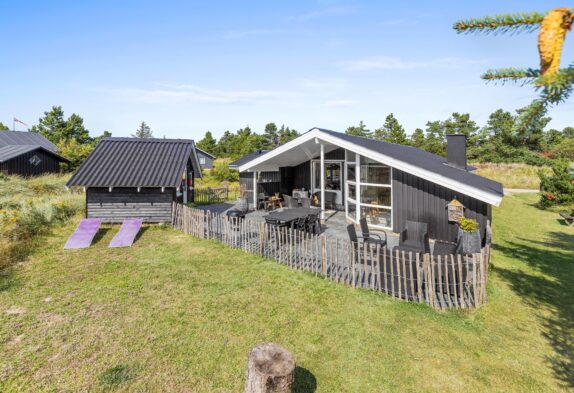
pixel 174 313
pixel 512 175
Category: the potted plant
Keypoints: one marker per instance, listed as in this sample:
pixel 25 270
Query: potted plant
pixel 469 236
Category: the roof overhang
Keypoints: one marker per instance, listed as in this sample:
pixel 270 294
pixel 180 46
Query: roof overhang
pixel 307 146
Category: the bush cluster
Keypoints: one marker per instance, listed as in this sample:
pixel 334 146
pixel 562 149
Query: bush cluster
pixel 557 188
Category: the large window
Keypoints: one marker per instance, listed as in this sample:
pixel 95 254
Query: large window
pixel 368 189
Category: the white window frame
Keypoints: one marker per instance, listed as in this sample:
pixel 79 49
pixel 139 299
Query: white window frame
pixel 357 183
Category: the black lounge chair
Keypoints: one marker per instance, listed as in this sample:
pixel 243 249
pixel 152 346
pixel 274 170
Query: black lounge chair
pixel 305 202
pixel 369 237
pixel 414 237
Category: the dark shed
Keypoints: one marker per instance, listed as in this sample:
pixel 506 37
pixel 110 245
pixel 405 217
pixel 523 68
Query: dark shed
pixel 205 159
pixel 137 178
pixel 28 154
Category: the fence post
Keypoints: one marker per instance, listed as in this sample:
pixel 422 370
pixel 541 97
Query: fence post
pixel 324 255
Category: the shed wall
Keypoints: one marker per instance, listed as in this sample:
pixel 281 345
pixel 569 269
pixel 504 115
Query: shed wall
pixel 150 204
pixel 416 199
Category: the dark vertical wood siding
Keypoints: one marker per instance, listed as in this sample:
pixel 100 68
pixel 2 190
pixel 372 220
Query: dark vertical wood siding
pixel 416 199
pixel 208 160
pixel 337 154
pixel 21 165
pixel 150 204
pixel 302 175
pixel 268 183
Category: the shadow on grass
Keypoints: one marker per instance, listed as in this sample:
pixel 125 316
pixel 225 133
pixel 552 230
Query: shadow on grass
pixel 117 375
pixel 305 381
pixel 100 235
pixel 553 290
pixel 143 230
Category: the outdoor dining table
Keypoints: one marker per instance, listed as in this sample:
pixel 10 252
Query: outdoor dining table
pixel 290 215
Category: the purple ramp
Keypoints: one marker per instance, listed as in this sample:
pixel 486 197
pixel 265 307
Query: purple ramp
pixel 127 233
pixel 84 234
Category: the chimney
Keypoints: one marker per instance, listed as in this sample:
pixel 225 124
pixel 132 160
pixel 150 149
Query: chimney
pixel 456 150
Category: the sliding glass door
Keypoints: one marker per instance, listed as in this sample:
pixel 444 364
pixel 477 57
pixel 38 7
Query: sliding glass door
pixel 368 190
pixel 333 180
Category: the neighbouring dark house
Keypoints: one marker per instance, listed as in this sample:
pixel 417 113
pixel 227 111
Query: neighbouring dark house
pixel 28 154
pixel 137 178
pixel 384 182
pixel 205 159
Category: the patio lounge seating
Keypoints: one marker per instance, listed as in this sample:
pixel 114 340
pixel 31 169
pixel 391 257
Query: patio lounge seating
pixel 569 218
pixel 84 234
pixel 371 237
pixel 414 237
pixel 290 202
pixel 305 202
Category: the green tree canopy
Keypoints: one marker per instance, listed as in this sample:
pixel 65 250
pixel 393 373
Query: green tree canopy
pixel 54 127
pixel 143 131
pixel 435 138
pixel 208 143
pixel 286 134
pixel 418 138
pixel 270 137
pixel 3 127
pixel 391 131
pixel 360 130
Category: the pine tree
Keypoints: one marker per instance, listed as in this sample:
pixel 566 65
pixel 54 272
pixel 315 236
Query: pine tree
pixel 143 131
pixel 208 143
pixel 435 138
pixel 554 84
pixel 286 134
pixel 270 136
pixel 391 131
pixel 54 127
pixel 418 138
pixel 360 130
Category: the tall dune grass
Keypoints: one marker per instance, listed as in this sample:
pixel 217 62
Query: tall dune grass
pixel 28 209
pixel 512 175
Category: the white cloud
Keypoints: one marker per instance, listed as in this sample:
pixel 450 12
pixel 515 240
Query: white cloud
pixel 322 83
pixel 340 103
pixel 396 63
pixel 169 93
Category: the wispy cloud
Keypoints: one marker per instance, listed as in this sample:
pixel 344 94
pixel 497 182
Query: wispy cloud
pixel 325 12
pixel 340 103
pixel 396 63
pixel 169 93
pixel 322 83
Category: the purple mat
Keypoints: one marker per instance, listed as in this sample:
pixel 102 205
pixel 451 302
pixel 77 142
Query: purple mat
pixel 84 234
pixel 127 233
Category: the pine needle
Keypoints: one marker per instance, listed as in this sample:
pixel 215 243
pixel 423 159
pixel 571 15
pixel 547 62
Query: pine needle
pixel 515 23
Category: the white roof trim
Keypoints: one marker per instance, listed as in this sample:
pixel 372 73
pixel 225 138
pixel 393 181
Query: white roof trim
pixel 490 198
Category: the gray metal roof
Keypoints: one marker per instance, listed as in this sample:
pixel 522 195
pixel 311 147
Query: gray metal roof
pixel 11 138
pixel 245 159
pixel 9 152
pixel 204 153
pixel 421 159
pixel 135 162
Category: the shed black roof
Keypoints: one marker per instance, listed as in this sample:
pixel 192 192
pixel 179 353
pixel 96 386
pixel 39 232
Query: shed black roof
pixel 421 159
pixel 134 162
pixel 251 156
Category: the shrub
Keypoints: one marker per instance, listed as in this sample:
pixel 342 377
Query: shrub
pixel 221 171
pixel 468 224
pixel 564 149
pixel 558 188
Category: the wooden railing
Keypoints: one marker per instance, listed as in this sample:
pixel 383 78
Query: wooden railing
pixel 207 195
pixel 441 281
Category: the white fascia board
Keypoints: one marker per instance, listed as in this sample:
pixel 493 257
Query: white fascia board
pixel 444 181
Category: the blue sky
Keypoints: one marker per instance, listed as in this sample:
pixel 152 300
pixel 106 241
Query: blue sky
pixel 187 67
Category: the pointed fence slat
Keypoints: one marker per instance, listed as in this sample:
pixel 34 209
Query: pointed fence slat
pixel 444 281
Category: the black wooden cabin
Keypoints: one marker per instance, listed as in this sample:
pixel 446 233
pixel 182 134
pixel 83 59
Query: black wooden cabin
pixel 137 178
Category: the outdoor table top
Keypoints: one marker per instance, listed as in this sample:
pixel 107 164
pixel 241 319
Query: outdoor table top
pixel 293 213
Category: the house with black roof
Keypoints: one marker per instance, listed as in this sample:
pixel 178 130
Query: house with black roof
pixel 28 154
pixel 205 159
pixel 137 178
pixel 386 183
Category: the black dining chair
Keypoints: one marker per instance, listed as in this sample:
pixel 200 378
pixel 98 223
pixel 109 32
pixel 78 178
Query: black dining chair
pixel 415 237
pixel 313 224
pixel 299 224
pixel 369 237
pixel 261 201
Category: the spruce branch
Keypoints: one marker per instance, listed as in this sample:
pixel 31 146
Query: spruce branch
pixel 503 75
pixel 515 23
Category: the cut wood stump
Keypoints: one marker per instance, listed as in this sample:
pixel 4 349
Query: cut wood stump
pixel 270 369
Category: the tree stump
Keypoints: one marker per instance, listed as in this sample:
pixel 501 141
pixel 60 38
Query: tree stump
pixel 270 369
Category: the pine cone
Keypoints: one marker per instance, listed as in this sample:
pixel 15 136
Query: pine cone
pixel 551 38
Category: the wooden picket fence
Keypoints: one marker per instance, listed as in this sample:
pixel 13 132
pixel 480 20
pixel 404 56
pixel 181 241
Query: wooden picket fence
pixel 441 281
pixel 207 195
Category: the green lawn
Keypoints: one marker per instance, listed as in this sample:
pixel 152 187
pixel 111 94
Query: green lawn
pixel 178 314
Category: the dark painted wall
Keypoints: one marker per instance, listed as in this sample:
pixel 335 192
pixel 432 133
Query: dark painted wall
pixel 208 160
pixel 21 165
pixel 150 204
pixel 416 199
pixel 267 183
